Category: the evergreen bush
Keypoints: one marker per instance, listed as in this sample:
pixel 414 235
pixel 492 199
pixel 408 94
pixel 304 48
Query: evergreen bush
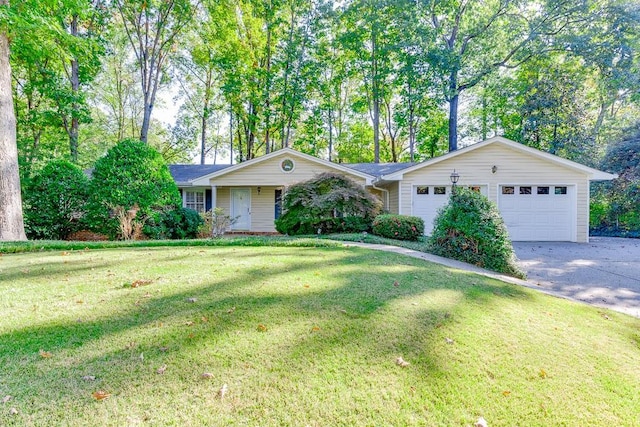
pixel 470 229
pixel 328 203
pixel 180 223
pixel 54 201
pixel 399 227
pixel 131 173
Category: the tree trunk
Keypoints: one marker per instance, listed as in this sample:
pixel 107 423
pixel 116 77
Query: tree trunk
pixel 330 120
pixel 453 111
pixel 376 99
pixel 267 103
pixel 230 135
pixel 412 132
pixel 75 90
pixel 11 220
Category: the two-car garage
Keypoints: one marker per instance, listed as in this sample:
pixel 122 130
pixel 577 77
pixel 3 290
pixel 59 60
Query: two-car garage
pixel 541 197
pixel 530 212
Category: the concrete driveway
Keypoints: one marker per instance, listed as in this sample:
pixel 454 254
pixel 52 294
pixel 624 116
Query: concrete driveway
pixel 604 272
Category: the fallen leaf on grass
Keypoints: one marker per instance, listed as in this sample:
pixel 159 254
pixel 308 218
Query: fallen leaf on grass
pixel 261 328
pixel 100 395
pixel 449 340
pixel 223 391
pixel 395 283
pixel 189 323
pixel 231 310
pixel 401 362
pixel 13 411
pixel 204 319
pixel 481 422
pixel 65 253
pixel 45 354
pixel 206 376
pixel 141 282
pixel 191 300
pixel 79 301
pixel 542 374
pixel 506 393
pixel 141 357
pixel 6 399
pixel 315 328
pixel 161 370
pixel 89 378
pixel 306 286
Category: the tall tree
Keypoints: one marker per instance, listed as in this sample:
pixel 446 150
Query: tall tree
pixel 153 28
pixel 477 37
pixel 11 219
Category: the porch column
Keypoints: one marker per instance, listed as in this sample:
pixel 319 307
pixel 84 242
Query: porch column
pixel 213 196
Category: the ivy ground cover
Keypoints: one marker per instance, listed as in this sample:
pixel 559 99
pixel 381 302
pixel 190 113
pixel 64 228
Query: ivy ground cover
pixel 277 336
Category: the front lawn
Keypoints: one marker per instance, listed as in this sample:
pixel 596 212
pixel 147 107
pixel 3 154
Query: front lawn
pixel 300 336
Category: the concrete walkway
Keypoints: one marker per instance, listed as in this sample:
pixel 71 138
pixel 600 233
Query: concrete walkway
pixel 539 258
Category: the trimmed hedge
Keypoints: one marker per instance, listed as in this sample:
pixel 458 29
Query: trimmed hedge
pixel 399 227
pixel 132 173
pixel 180 223
pixel 470 229
pixel 55 201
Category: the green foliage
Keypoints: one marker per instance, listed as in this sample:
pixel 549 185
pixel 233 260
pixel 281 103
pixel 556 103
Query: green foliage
pixel 328 203
pixel 470 229
pixel 131 173
pixel 54 201
pixel 180 223
pixel 615 204
pixel 400 227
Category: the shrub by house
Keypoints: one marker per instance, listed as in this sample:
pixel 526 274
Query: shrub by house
pixel 470 229
pixel 327 203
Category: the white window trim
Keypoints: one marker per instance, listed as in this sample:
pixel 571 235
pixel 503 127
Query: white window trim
pixel 204 199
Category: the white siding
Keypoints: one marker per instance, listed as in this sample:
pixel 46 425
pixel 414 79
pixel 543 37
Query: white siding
pixel 513 167
pixel 269 173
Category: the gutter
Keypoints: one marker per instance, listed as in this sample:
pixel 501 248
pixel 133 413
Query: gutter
pixel 383 190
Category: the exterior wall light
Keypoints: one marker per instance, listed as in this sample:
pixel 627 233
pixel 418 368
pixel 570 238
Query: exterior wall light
pixel 259 190
pixel 494 169
pixel 455 176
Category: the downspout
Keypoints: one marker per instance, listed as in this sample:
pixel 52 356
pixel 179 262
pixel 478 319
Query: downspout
pixel 386 194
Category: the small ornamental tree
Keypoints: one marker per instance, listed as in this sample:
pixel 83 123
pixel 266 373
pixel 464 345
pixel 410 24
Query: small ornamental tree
pixel 55 201
pixel 470 229
pixel 132 173
pixel 328 203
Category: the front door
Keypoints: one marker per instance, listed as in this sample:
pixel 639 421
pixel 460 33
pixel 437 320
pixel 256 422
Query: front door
pixel 241 208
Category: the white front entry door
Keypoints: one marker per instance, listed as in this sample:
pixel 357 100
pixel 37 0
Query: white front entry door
pixel 538 212
pixel 241 208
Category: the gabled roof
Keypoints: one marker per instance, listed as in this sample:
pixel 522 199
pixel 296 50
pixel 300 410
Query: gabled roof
pixel 204 179
pixel 184 174
pixel 378 169
pixel 593 174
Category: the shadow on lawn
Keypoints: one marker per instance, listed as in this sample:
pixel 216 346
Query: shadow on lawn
pixel 346 317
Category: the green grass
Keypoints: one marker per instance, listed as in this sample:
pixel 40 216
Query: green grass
pixel 335 323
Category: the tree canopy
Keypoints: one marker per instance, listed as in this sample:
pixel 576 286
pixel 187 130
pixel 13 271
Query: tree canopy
pixel 349 81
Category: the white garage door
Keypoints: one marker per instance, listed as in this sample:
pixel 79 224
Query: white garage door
pixel 428 199
pixel 538 212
